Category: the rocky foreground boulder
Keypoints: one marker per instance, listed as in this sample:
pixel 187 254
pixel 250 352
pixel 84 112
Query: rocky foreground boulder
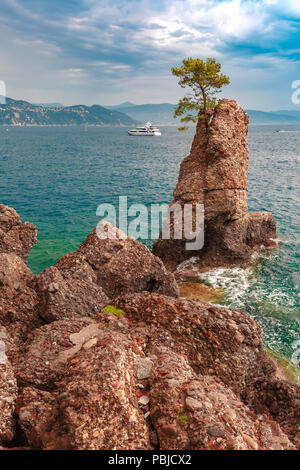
pixel 18 301
pixel 134 379
pixel 218 341
pixel 121 265
pixel 71 297
pixel 8 391
pixel 203 414
pixel 83 282
pixel 98 352
pixel 16 237
pixel 215 174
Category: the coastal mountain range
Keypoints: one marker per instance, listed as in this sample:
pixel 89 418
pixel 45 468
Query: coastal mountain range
pixel 23 113
pixel 162 113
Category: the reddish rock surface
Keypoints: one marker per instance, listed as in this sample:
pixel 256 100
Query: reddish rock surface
pixel 203 414
pixel 95 405
pixel 216 340
pixel 8 392
pixel 61 298
pixel 121 265
pixel 91 384
pixel 18 301
pixel 15 237
pixel 150 372
pixel 215 174
pixel 37 363
pixel 282 400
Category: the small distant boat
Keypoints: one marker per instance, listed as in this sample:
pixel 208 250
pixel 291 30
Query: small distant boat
pixel 147 129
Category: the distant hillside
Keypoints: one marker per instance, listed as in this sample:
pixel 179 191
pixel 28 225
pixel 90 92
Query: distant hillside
pixel 261 117
pixel 158 113
pixel 293 113
pixel 163 114
pixel 49 105
pixel 126 104
pixel 22 113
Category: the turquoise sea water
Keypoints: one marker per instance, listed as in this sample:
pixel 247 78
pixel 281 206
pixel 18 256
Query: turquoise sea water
pixel 56 178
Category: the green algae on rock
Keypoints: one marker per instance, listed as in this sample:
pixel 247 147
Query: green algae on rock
pixel 199 291
pixel 287 369
pixel 115 311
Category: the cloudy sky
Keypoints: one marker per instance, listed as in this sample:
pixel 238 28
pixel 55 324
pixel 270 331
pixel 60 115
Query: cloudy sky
pixel 109 51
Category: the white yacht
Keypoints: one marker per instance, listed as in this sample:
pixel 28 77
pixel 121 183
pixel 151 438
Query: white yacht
pixel 147 129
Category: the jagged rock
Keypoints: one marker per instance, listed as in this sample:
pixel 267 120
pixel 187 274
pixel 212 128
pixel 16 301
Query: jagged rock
pixel 18 302
pixel 13 271
pixel 90 384
pixel 200 413
pixel 8 392
pixel 15 237
pixel 143 367
pixel 71 297
pixel 95 405
pixel 37 411
pixel 282 400
pixel 73 265
pixel 40 361
pixel 216 340
pixel 121 265
pixel 215 174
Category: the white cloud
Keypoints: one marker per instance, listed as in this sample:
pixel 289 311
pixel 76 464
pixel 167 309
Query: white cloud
pixel 209 24
pixel 289 7
pixel 201 27
pixel 89 55
pixel 38 46
pixel 75 75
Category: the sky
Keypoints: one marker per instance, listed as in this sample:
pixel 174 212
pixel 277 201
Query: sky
pixel 110 51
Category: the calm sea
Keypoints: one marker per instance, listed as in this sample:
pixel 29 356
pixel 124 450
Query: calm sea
pixel 56 178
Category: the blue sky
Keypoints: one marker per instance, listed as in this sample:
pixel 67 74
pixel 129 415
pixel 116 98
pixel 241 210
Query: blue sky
pixel 106 52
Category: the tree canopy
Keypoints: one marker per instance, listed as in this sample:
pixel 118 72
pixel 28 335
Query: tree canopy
pixel 205 80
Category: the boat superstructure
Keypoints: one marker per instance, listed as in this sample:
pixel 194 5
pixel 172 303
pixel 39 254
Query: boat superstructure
pixel 147 129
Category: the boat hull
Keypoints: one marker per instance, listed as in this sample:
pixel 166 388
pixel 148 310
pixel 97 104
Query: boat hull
pixel 150 133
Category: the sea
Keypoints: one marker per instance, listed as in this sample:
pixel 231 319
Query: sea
pixel 56 177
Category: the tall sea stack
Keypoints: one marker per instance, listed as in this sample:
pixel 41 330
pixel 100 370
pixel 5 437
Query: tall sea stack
pixel 215 174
